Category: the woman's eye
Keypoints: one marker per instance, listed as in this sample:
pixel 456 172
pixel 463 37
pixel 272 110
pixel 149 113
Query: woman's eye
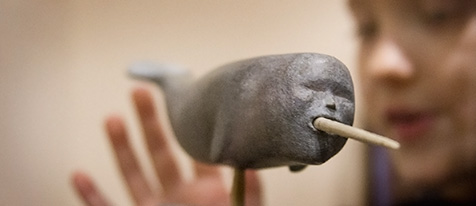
pixel 437 17
pixel 439 12
pixel 367 31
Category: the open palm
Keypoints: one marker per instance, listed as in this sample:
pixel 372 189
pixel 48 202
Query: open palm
pixel 206 188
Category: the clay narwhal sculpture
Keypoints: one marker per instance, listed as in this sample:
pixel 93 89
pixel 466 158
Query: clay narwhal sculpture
pixel 258 112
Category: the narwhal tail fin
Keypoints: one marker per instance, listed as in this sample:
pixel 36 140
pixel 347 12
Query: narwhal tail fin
pixel 168 77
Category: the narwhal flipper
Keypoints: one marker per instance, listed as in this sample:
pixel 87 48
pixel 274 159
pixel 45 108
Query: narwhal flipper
pixel 168 77
pixel 297 168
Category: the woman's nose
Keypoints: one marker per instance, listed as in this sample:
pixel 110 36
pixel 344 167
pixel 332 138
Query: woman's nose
pixel 389 62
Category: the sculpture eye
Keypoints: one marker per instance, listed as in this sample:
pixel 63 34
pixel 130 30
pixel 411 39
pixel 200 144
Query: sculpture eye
pixel 316 85
pixel 343 92
pixel 336 88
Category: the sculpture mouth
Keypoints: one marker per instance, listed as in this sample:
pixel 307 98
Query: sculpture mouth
pixel 311 124
pixel 322 133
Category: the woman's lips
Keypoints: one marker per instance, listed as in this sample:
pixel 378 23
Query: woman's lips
pixel 409 125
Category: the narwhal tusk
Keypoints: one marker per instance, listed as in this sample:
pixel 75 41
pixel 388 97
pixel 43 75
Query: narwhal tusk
pixel 334 127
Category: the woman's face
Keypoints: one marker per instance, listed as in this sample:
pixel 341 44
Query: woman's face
pixel 418 78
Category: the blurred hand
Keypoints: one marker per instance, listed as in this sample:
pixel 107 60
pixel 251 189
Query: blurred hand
pixel 207 188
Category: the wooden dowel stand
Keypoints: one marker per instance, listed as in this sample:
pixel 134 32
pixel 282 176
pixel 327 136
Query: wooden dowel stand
pixel 238 188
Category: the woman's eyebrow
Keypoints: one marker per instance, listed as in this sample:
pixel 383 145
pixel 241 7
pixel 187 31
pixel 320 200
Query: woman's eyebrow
pixel 355 5
pixel 359 8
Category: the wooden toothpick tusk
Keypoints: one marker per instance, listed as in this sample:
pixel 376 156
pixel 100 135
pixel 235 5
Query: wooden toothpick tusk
pixel 334 127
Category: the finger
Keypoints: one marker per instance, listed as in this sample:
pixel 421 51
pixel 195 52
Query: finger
pixel 127 161
pixel 161 153
pixel 252 189
pixel 87 190
pixel 204 170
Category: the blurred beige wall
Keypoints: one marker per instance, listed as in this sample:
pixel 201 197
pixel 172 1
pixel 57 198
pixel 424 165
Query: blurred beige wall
pixel 63 69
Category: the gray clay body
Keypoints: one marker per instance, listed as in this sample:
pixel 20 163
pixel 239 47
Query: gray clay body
pixel 258 113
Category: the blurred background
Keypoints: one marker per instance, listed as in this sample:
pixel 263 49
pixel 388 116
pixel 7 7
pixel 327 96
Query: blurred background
pixel 63 70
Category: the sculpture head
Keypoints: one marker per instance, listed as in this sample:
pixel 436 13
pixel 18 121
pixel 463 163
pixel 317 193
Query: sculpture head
pixel 278 102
